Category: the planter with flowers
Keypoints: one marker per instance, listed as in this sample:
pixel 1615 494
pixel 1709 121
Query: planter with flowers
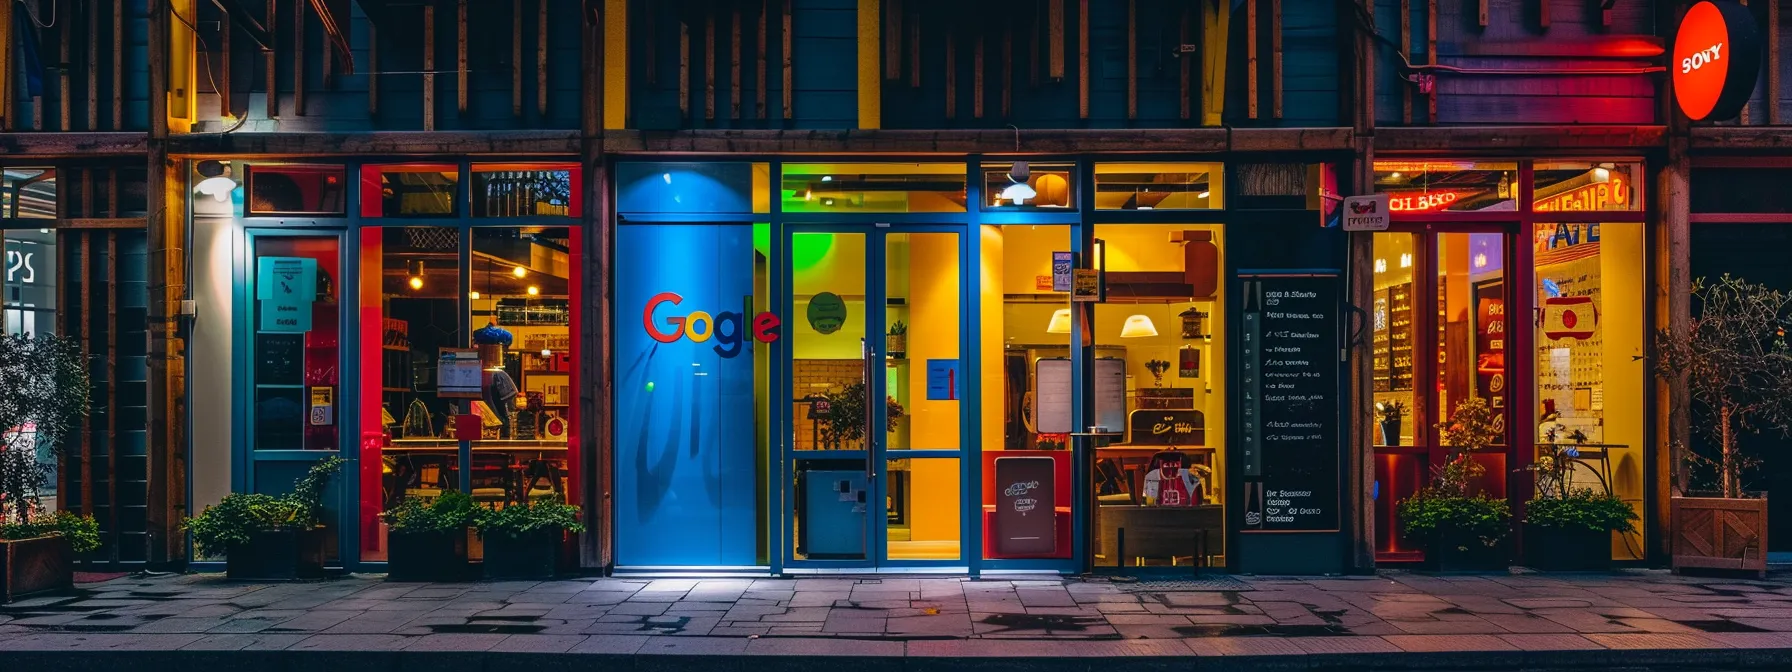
pixel 1567 528
pixel 1461 527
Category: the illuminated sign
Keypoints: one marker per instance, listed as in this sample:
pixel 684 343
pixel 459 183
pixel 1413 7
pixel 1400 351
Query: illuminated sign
pixel 1423 202
pixel 727 328
pixel 1716 60
pixel 1615 191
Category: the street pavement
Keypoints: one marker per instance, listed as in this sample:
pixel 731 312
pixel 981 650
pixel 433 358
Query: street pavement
pixel 1637 619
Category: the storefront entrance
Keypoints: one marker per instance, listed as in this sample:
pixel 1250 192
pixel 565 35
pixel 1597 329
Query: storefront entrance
pixel 876 342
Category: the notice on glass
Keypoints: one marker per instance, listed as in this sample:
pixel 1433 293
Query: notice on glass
pixel 1052 401
pixel 1288 415
pixel 458 373
pixel 1110 395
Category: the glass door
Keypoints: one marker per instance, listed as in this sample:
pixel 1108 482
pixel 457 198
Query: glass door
pixel 876 365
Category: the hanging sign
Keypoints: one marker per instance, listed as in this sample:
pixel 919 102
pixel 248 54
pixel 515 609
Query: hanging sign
pixel 458 373
pixel 1716 60
pixel 1366 213
pixel 1086 285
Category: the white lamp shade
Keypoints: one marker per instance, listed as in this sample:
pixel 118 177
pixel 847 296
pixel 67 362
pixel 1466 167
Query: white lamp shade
pixel 1138 326
pixel 216 187
pixel 1060 322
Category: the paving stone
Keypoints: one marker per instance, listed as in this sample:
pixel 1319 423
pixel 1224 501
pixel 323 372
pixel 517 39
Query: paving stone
pixel 687 646
pixel 1653 641
pixel 1441 643
pixel 456 642
pixel 245 642
pixel 1345 645
pixel 1244 646
pixel 639 609
pixel 819 646
pixel 355 642
pixel 1552 641
pixel 538 643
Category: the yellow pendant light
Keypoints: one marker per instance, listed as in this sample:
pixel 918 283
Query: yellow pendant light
pixel 1138 326
pixel 1060 323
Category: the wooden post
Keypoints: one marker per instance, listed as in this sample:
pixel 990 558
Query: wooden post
pixel 118 65
pixel 684 72
pixel 460 56
pixel 914 50
pixel 1542 14
pixel 1250 59
pixel 92 66
pixel 763 47
pixel 224 106
pixel 1007 70
pixel 1082 59
pixel 1430 57
pixel 977 76
pixel 595 392
pixel 112 449
pixel 1481 13
pixel 789 80
pixel 951 71
pixel 709 65
pixel 892 30
pixel 166 362
pixel 1056 38
pixel 270 58
pixel 84 271
pixel 1773 60
pixel 734 66
pixel 373 70
pixel 1406 48
pixel 516 58
pixel 541 60
pixel 1275 58
pixel 1132 59
pixel 298 57
pixel 429 67
pixel 1673 313
pixel 62 74
pixel 1184 35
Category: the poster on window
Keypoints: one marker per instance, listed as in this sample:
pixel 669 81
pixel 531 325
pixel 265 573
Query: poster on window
pixel 1570 344
pixel 1491 338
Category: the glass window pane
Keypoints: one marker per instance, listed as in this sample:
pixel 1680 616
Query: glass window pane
pixel 827 341
pixel 923 328
pixel 921 507
pixel 420 190
pixel 1448 186
pixel 693 187
pixel 1394 335
pixel 28 193
pixel 1026 327
pixel 1159 186
pixel 1160 363
pixel 296 190
pixel 1029 186
pixel 1580 186
pixel 30 281
pixel 1591 379
pixel 295 343
pixel 873 187
pixel 525 190
pixel 1473 332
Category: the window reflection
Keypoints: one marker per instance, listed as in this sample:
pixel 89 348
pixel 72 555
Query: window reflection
pixel 523 191
pixel 428 190
pixel 1418 187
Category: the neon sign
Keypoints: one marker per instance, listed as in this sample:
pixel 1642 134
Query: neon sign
pixel 1424 202
pixel 728 328
pixel 1596 196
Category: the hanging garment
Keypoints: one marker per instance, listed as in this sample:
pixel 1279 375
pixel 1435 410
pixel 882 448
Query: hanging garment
pixel 1171 481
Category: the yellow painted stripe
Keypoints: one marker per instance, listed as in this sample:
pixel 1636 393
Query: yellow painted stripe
pixel 183 73
pixel 1213 62
pixel 615 64
pixel 871 83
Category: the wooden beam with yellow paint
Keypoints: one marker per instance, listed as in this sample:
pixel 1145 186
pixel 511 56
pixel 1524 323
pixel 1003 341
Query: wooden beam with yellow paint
pixel 183 75
pixel 870 66
pixel 615 27
pixel 1216 16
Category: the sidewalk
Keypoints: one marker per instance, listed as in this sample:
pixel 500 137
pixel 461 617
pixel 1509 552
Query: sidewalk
pixel 1635 619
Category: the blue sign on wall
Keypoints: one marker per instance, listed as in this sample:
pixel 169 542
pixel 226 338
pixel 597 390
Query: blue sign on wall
pixel 686 454
pixel 942 380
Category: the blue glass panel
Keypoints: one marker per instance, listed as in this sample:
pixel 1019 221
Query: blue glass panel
pixel 684 187
pixel 685 476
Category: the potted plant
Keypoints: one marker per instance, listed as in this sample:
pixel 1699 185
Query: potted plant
pixel 39 555
pixel 46 396
pixel 1733 362
pixel 1158 368
pixel 1462 528
pixel 843 415
pixel 428 539
pixel 522 541
pixel 265 537
pixel 1572 531
pixel 1390 413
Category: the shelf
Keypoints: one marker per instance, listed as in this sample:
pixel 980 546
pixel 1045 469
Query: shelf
pixel 396 348
pixel 395 389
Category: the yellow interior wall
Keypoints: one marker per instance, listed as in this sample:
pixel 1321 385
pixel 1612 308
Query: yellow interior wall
pixel 932 265
pixel 1621 327
pixel 615 65
pixel 993 315
pixel 841 271
pixel 1388 249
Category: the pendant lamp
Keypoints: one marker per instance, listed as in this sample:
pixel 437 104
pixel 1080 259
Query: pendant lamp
pixel 1138 326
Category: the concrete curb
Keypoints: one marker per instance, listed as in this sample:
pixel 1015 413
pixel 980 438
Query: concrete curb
pixel 111 660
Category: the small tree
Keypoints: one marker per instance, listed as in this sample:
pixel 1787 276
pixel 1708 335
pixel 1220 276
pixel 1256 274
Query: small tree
pixel 1737 368
pixel 43 396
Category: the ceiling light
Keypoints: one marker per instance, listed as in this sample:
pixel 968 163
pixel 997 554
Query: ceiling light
pixel 1138 326
pixel 1018 191
pixel 667 177
pixel 1201 195
pixel 473 295
pixel 416 282
pixel 827 178
pixel 416 272
pixel 519 272
pixel 534 291
pixel 1060 323
pixel 547 353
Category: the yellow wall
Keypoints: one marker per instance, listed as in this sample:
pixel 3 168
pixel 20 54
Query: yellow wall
pixel 931 262
pixel 1622 328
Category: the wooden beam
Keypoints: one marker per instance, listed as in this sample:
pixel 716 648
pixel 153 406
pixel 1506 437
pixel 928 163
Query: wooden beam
pixel 1055 39
pixel 709 65
pixel 429 67
pixel 373 70
pixel 1773 60
pixel 1184 61
pixel 1082 59
pixel 1336 142
pixel 1406 48
pixel 541 59
pixel 734 65
pixel 92 66
pixel 224 85
pixel 762 47
pixel 1250 59
pixel 77 223
pixel 298 56
pixel 516 58
pixel 270 60
pixel 1275 58
pixel 1132 59
pixel 892 30
pixel 118 66
pixel 104 144
pixel 951 71
pixel 977 69
pixel 684 73
pixel 460 56
pixel 1524 139
pixel 395 143
pixel 62 74
pixel 789 80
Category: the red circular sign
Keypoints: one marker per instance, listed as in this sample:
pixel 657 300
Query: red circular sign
pixel 1716 60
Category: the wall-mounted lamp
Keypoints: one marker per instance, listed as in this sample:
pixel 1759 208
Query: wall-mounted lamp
pixel 519 272
pixel 217 183
pixel 416 271
pixel 534 291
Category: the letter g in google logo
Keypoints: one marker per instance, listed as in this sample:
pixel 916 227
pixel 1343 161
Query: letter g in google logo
pixel 726 327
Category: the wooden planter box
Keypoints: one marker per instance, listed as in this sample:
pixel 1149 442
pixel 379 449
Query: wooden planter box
pixel 1557 549
pixel 1719 533
pixel 428 557
pixel 278 555
pixel 35 565
pixel 533 556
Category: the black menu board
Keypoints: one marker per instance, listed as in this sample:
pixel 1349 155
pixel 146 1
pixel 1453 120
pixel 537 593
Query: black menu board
pixel 1289 407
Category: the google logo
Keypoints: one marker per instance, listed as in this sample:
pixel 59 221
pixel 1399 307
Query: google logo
pixel 727 327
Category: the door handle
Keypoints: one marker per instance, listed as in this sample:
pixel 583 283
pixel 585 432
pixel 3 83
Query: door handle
pixel 870 411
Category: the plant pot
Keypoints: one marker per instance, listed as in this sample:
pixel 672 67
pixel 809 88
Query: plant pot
pixel 1567 549
pixel 277 555
pixel 1719 533
pixel 1390 432
pixel 1452 551
pixel 35 565
pixel 430 556
pixel 528 556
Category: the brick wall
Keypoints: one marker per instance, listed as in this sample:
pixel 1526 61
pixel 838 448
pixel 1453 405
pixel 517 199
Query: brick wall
pixel 816 377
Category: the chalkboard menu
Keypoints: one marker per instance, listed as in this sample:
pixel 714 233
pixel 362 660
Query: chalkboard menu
pixel 1289 410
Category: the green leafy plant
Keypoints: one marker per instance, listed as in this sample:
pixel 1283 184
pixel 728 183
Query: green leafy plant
pixel 521 520
pixel 83 532
pixel 236 519
pixel 1457 519
pixel 46 396
pixel 1390 411
pixel 450 512
pixel 844 415
pixel 1736 365
pixel 1582 508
